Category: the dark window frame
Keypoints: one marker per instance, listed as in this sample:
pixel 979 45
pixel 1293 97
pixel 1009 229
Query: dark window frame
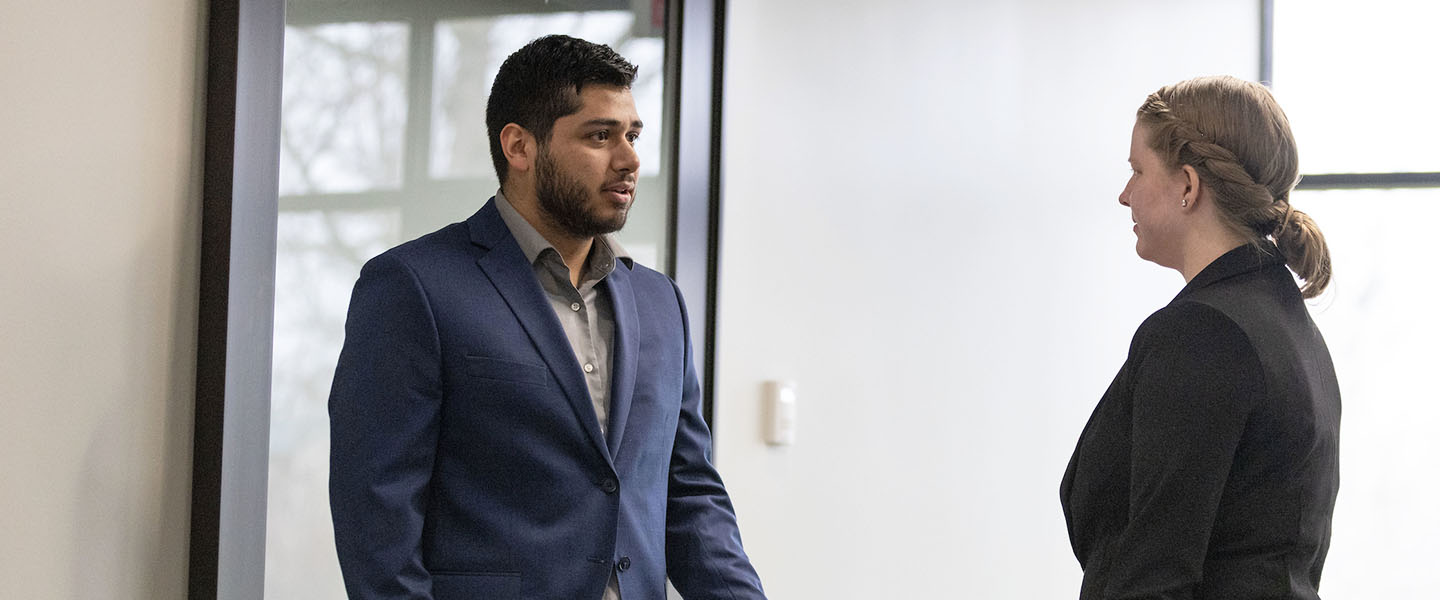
pixel 240 207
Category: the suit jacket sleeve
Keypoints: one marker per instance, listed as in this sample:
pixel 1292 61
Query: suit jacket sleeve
pixel 703 554
pixel 384 408
pixel 1197 379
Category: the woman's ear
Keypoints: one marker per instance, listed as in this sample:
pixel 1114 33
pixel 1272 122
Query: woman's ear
pixel 1190 195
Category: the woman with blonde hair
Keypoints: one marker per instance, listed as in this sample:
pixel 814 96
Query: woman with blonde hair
pixel 1209 468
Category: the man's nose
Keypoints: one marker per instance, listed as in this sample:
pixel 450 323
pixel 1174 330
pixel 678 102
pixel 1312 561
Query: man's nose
pixel 627 159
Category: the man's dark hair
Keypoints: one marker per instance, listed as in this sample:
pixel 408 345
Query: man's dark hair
pixel 541 82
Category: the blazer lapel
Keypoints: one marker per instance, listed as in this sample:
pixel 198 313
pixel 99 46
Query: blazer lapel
pixel 625 358
pixel 514 278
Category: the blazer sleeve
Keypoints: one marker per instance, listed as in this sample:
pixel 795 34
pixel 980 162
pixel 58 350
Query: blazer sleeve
pixel 384 410
pixel 1197 379
pixel 703 554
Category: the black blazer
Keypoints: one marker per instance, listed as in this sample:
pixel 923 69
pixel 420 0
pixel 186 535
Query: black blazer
pixel 1209 469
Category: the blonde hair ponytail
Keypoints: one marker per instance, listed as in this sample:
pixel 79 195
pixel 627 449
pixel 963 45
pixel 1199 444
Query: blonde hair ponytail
pixel 1305 251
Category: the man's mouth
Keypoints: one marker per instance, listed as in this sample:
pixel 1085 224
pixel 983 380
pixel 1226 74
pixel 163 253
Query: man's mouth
pixel 623 189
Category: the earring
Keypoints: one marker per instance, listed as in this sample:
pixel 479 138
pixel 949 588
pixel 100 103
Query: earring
pixel 1184 203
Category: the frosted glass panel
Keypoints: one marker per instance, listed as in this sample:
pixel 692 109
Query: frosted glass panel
pixel 320 257
pixel 342 121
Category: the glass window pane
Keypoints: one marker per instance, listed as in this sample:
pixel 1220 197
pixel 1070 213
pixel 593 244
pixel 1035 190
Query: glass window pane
pixel 1358 83
pixel 1379 321
pixel 320 253
pixel 342 122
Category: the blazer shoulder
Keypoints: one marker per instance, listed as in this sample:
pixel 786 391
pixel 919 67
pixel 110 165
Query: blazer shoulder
pixel 424 250
pixel 1192 326
pixel 1198 347
pixel 653 284
pixel 647 274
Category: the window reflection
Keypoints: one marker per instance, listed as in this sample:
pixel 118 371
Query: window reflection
pixel 320 254
pixel 343 107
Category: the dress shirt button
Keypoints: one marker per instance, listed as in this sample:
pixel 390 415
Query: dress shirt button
pixel 589 368
pixel 609 485
pixel 623 564
pixel 575 306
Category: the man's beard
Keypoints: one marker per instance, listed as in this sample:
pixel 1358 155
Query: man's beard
pixel 563 201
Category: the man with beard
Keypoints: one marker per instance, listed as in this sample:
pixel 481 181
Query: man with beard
pixel 515 412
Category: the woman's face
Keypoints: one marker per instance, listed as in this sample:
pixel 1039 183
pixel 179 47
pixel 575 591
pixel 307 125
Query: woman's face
pixel 1153 196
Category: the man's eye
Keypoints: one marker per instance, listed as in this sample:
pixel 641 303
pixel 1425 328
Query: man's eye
pixel 632 137
pixel 601 135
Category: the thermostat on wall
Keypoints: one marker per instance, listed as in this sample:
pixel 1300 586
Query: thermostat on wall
pixel 780 413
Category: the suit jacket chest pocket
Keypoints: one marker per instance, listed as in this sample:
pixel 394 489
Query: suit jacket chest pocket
pixel 502 371
pixel 489 394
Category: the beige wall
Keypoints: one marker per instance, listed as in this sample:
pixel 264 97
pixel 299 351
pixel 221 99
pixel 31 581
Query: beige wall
pixel 99 246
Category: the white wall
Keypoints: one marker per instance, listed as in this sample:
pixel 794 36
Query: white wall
pixel 99 242
pixel 920 227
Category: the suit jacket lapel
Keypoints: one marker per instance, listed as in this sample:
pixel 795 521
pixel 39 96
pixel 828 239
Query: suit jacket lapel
pixel 514 278
pixel 625 357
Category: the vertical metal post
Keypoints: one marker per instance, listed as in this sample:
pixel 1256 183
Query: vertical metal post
pixel 696 31
pixel 1267 42
pixel 237 296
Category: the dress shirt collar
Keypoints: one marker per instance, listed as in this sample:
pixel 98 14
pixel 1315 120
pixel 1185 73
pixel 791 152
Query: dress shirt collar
pixel 606 250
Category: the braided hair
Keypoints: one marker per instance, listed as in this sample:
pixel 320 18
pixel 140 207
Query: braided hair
pixel 1233 133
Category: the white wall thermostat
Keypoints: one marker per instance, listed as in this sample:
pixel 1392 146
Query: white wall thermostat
pixel 780 413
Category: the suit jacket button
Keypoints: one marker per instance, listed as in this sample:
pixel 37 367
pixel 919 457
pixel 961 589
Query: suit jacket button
pixel 623 564
pixel 609 485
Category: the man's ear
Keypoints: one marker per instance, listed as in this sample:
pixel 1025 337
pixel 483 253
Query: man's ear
pixel 519 147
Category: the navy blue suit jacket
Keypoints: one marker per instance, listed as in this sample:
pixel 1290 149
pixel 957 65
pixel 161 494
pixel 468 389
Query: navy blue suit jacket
pixel 466 457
